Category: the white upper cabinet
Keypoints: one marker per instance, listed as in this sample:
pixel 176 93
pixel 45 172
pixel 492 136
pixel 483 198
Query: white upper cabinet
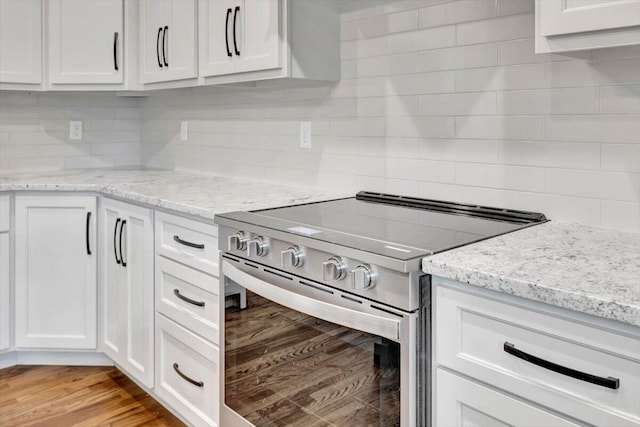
pixel 250 40
pixel 566 25
pixel 21 41
pixel 85 41
pixel 168 40
pixel 239 36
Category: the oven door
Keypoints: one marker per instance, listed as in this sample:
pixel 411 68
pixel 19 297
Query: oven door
pixel 300 353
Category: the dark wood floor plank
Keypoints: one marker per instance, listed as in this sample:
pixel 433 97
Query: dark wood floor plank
pixel 45 396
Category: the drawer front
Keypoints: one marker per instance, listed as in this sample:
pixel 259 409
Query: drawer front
pixel 188 296
pixel 190 242
pixel 182 357
pixel 471 332
pixel 5 212
pixel 464 403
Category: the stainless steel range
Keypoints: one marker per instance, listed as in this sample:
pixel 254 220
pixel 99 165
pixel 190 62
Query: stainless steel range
pixel 327 318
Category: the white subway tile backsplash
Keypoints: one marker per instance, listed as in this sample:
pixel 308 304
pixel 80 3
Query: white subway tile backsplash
pixel 430 38
pixel 500 177
pixel 620 215
pixel 497 29
pixel 455 12
pixel 620 99
pixel 501 78
pixel 594 128
pixel 474 56
pixel 403 21
pixel 598 185
pixel 500 127
pixel 549 101
pixel 621 157
pixel 457 104
pixel 442 99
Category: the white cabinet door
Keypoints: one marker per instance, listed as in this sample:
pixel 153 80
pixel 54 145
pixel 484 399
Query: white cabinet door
pixel 217 55
pixel 256 35
pixel 5 292
pixel 127 288
pixel 55 272
pixel 238 36
pixel 85 41
pixel 168 40
pixel 21 41
pixel 464 403
pixel 558 17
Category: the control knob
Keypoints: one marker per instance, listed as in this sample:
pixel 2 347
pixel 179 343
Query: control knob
pixel 363 277
pixel 335 268
pixel 238 241
pixel 293 257
pixel 257 246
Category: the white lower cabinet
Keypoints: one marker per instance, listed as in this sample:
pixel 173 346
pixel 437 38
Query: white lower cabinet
pixel 560 361
pixel 464 403
pixel 127 287
pixel 55 272
pixel 187 373
pixel 5 292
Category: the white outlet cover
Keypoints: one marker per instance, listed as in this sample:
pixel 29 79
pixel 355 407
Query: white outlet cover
pixel 305 134
pixel 184 131
pixel 75 130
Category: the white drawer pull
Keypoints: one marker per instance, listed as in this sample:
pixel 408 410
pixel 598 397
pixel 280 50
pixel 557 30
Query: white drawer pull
pixel 186 378
pixel 609 382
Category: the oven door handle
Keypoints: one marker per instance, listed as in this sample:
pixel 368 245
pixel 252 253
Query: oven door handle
pixel 377 325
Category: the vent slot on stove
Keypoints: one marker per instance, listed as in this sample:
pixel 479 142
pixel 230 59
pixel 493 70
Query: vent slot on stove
pixel 509 215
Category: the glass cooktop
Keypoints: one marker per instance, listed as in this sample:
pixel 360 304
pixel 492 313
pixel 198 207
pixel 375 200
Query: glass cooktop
pixel 395 226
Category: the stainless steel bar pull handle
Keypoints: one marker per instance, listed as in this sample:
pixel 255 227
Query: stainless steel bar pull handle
pixel 177 293
pixel 608 382
pixel 186 378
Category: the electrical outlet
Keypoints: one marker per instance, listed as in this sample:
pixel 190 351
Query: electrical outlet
pixel 184 131
pixel 75 130
pixel 305 134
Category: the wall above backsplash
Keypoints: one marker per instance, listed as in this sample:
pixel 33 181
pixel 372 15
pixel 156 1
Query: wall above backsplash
pixel 439 99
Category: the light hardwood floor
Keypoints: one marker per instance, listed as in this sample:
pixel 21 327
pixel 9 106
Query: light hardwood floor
pixel 53 396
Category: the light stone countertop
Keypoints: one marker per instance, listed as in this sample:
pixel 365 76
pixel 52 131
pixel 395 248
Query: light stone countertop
pixel 578 267
pixel 184 192
pixel 582 268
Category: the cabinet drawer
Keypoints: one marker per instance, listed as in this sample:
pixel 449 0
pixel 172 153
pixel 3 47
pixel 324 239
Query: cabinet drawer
pixel 190 242
pixel 471 332
pixel 182 359
pixel 188 296
pixel 464 403
pixel 5 212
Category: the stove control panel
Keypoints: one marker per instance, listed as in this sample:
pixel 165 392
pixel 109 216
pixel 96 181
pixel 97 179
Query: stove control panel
pixel 292 257
pixel 356 275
